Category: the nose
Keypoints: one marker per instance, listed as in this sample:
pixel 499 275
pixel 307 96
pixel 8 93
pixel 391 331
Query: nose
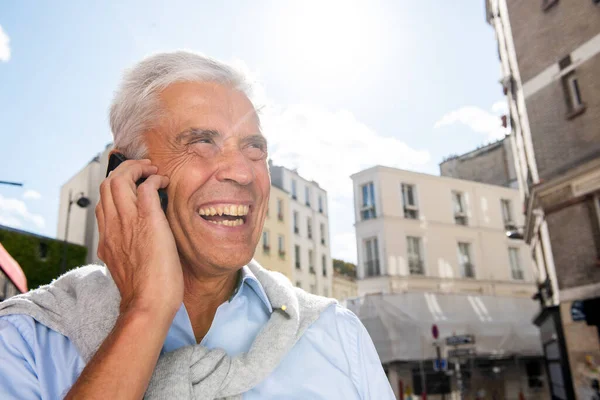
pixel 234 166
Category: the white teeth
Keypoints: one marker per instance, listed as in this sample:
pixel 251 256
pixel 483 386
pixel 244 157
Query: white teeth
pixel 226 210
pixel 233 211
pixel 201 212
pixel 240 210
pixel 219 211
pixel 213 211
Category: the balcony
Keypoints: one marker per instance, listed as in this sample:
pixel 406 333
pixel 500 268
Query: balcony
pixel 372 268
pixel 416 267
pixel 468 270
pixel 461 219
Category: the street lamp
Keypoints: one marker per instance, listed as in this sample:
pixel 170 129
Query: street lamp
pixel 82 202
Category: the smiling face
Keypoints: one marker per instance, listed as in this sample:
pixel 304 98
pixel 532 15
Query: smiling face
pixel 209 144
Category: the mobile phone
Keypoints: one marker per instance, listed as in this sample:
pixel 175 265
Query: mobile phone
pixel 116 159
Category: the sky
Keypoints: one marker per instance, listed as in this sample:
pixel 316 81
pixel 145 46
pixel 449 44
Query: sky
pixel 344 85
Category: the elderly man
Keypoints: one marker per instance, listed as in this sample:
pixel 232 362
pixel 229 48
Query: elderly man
pixel 180 310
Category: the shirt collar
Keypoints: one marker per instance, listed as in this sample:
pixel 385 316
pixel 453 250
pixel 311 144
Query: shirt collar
pixel 247 278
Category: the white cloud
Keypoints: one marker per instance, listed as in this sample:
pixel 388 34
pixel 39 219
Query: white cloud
pixel 500 107
pixel 13 212
pixel 4 46
pixel 32 194
pixel 329 146
pixel 478 120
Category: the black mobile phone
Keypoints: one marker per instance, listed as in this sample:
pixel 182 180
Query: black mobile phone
pixel 116 159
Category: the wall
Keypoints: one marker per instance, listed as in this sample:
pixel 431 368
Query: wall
pixel 440 235
pixel 272 259
pixel 343 287
pixel 542 38
pixel 573 245
pixel 492 164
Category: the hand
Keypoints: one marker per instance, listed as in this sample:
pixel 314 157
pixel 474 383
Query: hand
pixel 136 241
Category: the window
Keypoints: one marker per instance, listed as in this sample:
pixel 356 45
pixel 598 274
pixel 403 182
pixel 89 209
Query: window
pixel 322 230
pixel 313 288
pixel 311 261
pixel 43 251
pixel 280 209
pixel 572 92
pixel 309 227
pixel 460 215
pixel 325 292
pixel 294 189
pixel 464 259
pixel 298 284
pixel 372 257
pixel 297 256
pixel 307 195
pixel 320 204
pixel 506 205
pixel 409 201
pixel 266 243
pixel 368 201
pixel 296 228
pixel 281 245
pixel 535 378
pixel 515 263
pixel 324 264
pixel 415 255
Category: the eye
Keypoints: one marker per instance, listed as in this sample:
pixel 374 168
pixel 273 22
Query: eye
pixel 255 151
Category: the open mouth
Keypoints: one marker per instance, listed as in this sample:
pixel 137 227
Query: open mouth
pixel 227 214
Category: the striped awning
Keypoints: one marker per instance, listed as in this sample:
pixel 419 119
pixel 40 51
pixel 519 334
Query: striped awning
pixel 12 269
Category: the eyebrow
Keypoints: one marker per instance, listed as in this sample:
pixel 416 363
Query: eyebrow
pixel 191 133
pixel 196 132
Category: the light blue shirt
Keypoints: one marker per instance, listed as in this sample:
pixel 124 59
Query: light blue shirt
pixel 334 359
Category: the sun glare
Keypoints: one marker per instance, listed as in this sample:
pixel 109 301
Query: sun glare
pixel 330 39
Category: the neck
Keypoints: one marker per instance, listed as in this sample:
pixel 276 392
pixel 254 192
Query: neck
pixel 203 294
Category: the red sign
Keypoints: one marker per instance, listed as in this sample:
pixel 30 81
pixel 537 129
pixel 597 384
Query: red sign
pixel 435 331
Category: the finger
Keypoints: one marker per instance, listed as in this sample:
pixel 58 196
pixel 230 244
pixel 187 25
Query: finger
pixel 148 200
pixel 124 190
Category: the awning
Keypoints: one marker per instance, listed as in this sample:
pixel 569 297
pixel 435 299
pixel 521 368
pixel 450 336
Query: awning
pixel 400 324
pixel 12 269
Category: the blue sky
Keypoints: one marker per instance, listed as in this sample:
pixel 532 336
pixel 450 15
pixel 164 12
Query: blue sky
pixel 346 85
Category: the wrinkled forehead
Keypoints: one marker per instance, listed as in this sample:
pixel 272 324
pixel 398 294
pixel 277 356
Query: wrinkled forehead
pixel 208 105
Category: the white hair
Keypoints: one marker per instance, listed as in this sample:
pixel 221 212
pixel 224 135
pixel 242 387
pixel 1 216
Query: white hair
pixel 135 107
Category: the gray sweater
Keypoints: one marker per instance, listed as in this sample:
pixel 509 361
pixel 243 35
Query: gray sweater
pixel 84 303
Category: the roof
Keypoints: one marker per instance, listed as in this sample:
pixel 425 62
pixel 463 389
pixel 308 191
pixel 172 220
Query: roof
pixel 400 324
pixel 12 269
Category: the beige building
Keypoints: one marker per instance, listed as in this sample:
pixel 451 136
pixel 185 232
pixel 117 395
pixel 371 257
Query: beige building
pixel 419 232
pixel 550 57
pixel 343 287
pixel 308 231
pixel 274 249
pixel 83 228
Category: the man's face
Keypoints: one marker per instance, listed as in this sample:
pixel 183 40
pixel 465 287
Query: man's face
pixel 210 146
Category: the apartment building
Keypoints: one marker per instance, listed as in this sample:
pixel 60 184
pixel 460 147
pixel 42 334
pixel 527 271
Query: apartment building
pixel 308 231
pixel 343 287
pixel 274 250
pixel 493 163
pixel 549 53
pixel 419 232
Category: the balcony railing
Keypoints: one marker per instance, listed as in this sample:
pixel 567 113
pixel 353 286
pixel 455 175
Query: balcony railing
pixel 416 267
pixel 468 270
pixel 372 268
